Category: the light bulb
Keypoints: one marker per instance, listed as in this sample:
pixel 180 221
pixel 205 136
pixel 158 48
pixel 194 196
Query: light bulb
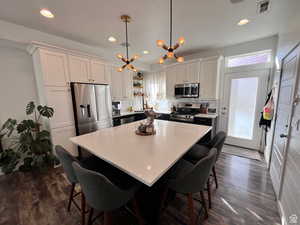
pixel 161 61
pixel 47 13
pixel 120 56
pixel 160 43
pixel 136 56
pixel 180 59
pixel 134 70
pixel 181 40
pixel 120 69
pixel 170 54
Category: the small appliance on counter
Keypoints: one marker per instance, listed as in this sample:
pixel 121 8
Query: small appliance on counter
pixel 211 110
pixel 116 108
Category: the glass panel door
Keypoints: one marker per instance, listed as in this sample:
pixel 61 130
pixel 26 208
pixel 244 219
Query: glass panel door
pixel 242 107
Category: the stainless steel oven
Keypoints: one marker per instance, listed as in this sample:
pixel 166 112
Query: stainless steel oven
pixel 189 90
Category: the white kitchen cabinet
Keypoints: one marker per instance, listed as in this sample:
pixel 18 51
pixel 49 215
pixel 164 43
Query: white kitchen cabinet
pixel 116 84
pixel 121 84
pixel 52 67
pixel 171 80
pixel 62 137
pixel 97 74
pixel 127 84
pixel 192 72
pixel 107 74
pixel 180 73
pixel 79 69
pixel 60 99
pixel 209 78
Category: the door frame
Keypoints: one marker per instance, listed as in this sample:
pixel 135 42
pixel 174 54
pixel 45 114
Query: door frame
pixel 225 100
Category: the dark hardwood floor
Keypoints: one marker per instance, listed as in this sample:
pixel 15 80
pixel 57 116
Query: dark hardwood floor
pixel 245 197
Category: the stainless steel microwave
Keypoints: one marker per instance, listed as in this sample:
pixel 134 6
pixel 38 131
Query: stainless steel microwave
pixel 188 90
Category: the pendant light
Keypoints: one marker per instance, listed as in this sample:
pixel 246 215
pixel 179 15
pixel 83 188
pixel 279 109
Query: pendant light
pixel 126 19
pixel 170 49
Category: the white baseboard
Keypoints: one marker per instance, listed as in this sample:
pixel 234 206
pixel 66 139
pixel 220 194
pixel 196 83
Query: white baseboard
pixel 282 214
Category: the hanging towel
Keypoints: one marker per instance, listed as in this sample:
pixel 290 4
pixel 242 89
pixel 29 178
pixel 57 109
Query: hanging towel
pixel 263 121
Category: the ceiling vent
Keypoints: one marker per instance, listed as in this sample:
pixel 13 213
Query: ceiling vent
pixel 236 1
pixel 263 6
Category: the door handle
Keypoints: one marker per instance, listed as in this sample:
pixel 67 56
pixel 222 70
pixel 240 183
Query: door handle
pixel 88 110
pixel 82 108
pixel 283 135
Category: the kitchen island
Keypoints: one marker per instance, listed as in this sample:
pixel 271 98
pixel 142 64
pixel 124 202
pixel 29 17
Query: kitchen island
pixel 146 158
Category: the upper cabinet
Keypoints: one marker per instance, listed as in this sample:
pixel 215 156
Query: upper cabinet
pixel 86 70
pixel 121 84
pixel 209 78
pixel 204 71
pixel 79 69
pixel 116 84
pixel 180 73
pixel 98 72
pixel 52 66
pixel 193 72
pixel 171 80
pixel 127 80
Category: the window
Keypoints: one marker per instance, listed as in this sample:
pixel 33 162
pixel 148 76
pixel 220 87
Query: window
pixel 263 57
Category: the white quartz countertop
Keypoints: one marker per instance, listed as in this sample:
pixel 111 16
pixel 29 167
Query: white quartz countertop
pixel 202 115
pixel 146 158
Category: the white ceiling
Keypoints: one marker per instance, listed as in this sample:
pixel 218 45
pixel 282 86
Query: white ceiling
pixel 204 23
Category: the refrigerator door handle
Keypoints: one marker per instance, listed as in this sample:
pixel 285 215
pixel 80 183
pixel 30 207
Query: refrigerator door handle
pixel 82 108
pixel 88 110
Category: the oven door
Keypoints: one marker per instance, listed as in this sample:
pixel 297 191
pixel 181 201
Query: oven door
pixel 179 90
pixel 187 90
pixel 195 89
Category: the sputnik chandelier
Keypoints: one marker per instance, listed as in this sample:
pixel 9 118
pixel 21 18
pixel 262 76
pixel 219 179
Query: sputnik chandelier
pixel 128 62
pixel 170 49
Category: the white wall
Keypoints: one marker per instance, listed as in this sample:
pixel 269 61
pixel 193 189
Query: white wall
pixel 17 84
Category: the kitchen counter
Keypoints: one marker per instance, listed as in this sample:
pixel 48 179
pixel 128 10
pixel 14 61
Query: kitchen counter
pixel 200 115
pixel 127 114
pixel 211 116
pixel 146 158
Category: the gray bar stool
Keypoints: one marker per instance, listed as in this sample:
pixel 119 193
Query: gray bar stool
pixel 198 151
pixel 66 160
pixel 187 178
pixel 103 195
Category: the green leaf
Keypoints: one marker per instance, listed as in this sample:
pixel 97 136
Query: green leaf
pixel 9 125
pixel 26 125
pixel 42 135
pixel 30 108
pixel 45 111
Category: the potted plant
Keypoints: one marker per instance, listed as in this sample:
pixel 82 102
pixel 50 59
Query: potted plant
pixel 29 146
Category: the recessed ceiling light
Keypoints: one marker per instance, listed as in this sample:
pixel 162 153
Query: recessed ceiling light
pixel 47 13
pixel 112 39
pixel 146 52
pixel 243 22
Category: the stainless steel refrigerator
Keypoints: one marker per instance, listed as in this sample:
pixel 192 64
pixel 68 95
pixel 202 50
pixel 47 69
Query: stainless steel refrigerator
pixel 92 106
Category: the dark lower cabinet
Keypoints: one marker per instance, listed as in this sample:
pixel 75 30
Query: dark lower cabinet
pixel 117 121
pixel 163 117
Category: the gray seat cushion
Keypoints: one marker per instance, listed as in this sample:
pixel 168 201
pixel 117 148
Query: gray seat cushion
pixel 196 153
pixel 116 176
pixel 179 170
